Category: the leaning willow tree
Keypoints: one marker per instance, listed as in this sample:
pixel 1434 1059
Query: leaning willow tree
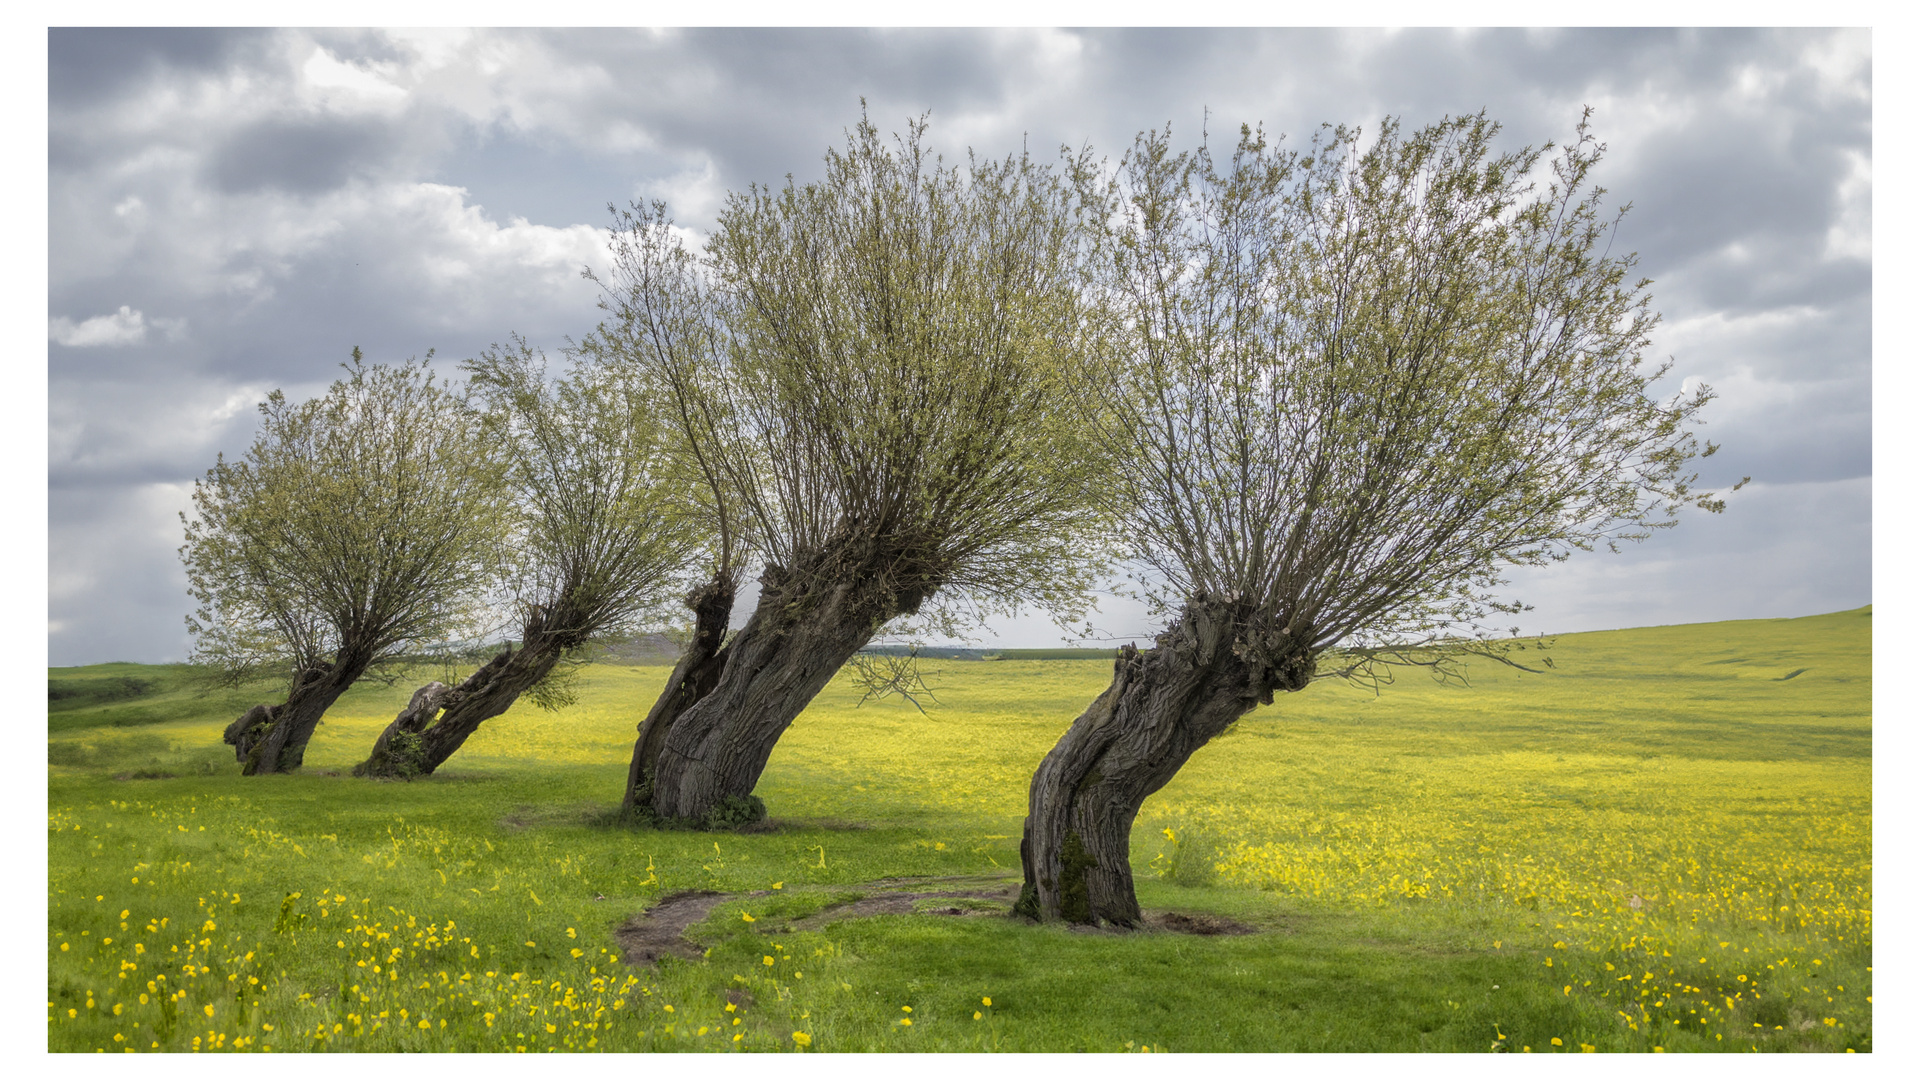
pixel 595 537
pixel 357 528
pixel 877 389
pixel 1346 389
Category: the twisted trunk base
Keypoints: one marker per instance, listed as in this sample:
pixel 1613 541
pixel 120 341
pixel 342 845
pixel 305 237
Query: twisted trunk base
pixel 806 627
pixel 1203 674
pixel 417 743
pixel 693 678
pixel 270 739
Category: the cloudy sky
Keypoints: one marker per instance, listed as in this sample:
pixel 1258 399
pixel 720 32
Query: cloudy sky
pixel 230 212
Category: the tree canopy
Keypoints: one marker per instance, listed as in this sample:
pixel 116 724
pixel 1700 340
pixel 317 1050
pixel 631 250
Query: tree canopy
pixel 1349 387
pixel 886 346
pixel 594 540
pixel 1343 391
pixel 597 527
pixel 871 376
pixel 359 526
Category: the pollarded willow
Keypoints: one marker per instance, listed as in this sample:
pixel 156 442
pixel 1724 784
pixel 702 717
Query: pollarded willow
pixel 1346 389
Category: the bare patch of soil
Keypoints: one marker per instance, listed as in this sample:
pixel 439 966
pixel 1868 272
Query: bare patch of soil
pixel 1204 925
pixel 661 931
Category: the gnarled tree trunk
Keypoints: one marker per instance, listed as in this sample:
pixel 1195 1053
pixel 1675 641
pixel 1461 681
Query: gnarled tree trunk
pixel 416 743
pixel 693 678
pixel 1205 672
pixel 273 738
pixel 806 626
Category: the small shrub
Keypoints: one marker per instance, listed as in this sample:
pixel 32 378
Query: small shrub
pixel 406 755
pixel 736 811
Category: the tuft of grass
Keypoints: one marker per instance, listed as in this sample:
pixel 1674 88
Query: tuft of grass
pixel 1660 829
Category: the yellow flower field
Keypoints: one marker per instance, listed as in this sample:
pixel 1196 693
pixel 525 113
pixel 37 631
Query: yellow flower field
pixel 1663 843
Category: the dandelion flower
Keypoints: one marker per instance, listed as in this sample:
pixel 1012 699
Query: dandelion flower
pixel 800 1038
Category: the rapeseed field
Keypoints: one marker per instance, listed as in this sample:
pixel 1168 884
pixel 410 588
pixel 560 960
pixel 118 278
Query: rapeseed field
pixel 1662 844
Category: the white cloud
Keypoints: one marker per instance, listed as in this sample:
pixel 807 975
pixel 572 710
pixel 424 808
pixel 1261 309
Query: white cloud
pixel 464 265
pixel 124 327
pixel 351 88
pixel 690 194
pixel 1844 63
pixel 1851 234
pixel 202 418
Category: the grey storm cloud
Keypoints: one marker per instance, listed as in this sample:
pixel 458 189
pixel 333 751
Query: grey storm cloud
pixel 304 156
pixel 234 211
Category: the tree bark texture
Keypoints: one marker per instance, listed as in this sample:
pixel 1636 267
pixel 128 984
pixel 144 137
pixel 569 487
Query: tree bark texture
pixel 807 625
pixel 273 738
pixel 693 678
pixel 438 719
pixel 1206 671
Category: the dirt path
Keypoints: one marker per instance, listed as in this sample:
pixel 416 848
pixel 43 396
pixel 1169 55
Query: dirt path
pixel 661 930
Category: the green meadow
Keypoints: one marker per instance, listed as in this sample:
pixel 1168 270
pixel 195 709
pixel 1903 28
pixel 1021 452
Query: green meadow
pixel 1663 843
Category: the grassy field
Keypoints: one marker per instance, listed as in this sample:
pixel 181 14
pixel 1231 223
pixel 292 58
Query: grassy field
pixel 1663 844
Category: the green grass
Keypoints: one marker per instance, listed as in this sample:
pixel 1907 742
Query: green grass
pixel 1671 824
